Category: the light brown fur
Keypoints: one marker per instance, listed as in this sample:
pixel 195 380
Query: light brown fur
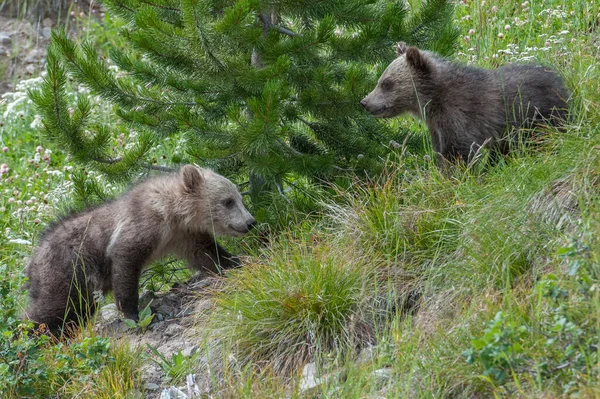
pixel 105 248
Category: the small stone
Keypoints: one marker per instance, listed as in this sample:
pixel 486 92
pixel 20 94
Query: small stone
pixel 152 386
pixel 382 373
pixel 309 379
pixel 46 32
pixel 3 51
pixel 109 312
pixel 189 351
pixel 30 69
pixel 33 56
pixel 5 39
pixel 173 393
pixel 172 329
pixel 47 23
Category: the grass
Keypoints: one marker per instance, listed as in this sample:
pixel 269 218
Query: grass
pixel 483 283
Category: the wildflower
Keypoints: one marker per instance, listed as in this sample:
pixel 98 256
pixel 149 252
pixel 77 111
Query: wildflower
pixel 525 4
pixel 500 35
pixel 37 221
pixel 5 149
pixel 467 38
pixel 39 149
pixel 394 144
pixel 494 9
pixel 11 200
pixel 507 27
pixel 471 31
pixel 4 169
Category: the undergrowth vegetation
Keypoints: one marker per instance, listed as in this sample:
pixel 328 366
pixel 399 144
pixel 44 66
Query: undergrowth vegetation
pixel 483 282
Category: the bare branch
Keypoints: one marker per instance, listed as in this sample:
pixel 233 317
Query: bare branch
pixel 288 32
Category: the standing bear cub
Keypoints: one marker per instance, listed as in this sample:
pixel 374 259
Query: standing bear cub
pixel 466 108
pixel 105 248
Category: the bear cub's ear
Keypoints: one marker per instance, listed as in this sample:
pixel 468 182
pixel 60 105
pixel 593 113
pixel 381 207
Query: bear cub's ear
pixel 400 48
pixel 417 61
pixel 192 177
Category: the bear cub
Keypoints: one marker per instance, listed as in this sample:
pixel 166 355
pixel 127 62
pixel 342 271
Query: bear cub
pixel 464 107
pixel 105 248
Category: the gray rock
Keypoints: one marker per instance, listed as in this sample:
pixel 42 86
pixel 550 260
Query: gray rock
pixel 173 393
pixel 173 329
pixel 3 51
pixel 109 312
pixel 34 56
pixel 46 32
pixel 189 350
pixel 47 23
pixel 309 378
pixel 5 39
pixel 152 386
pixel 382 373
pixel 30 69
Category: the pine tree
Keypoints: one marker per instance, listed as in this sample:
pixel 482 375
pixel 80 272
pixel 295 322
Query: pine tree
pixel 265 88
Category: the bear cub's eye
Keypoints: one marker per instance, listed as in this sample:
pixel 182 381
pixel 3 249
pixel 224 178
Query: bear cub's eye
pixel 387 85
pixel 228 202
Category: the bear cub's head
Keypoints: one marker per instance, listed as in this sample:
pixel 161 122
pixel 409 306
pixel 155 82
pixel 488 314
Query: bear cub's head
pixel 398 89
pixel 213 204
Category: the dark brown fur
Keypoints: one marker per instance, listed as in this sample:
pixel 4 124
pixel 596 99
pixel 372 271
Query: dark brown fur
pixel 105 248
pixel 467 107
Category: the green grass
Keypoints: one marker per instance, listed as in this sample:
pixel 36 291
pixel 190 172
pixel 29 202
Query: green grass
pixel 483 283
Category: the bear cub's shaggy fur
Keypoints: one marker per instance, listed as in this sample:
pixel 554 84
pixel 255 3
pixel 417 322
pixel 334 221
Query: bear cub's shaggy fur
pixel 105 248
pixel 466 107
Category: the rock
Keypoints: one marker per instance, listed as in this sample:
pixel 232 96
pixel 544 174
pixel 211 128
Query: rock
pixel 135 395
pixel 173 329
pixel 34 56
pixel 47 23
pixel 381 378
pixel 5 39
pixel 46 32
pixel 30 69
pixel 173 393
pixel 189 350
pixel 382 373
pixel 152 386
pixel 109 312
pixel 309 378
pixel 3 51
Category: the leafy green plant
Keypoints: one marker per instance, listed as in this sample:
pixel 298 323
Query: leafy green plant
pixel 145 318
pixel 499 349
pixel 176 367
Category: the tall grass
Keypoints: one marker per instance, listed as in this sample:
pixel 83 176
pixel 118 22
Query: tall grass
pixel 483 281
pixel 478 283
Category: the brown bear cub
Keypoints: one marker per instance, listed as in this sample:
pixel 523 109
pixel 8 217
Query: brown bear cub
pixel 464 107
pixel 105 248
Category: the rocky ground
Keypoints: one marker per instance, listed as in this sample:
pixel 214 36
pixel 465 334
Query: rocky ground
pixel 22 49
pixel 169 334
